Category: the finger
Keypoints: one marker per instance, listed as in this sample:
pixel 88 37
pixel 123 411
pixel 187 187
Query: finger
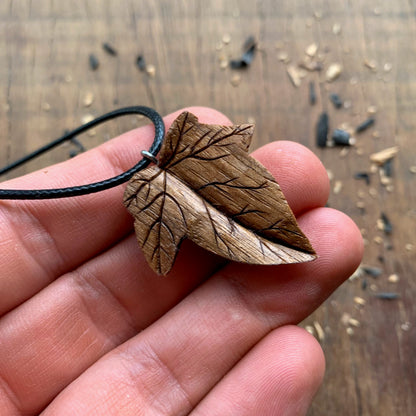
pixel 107 302
pixel 171 366
pixel 279 376
pixel 44 239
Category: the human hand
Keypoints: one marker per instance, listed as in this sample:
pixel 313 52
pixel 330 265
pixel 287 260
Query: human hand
pixel 87 328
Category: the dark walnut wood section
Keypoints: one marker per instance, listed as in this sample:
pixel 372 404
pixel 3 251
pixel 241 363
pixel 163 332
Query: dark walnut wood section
pixel 208 189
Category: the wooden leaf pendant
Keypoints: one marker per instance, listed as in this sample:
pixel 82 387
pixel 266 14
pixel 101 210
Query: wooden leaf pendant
pixel 207 188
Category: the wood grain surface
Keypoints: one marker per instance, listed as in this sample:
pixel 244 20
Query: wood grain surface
pixel 46 82
pixel 206 187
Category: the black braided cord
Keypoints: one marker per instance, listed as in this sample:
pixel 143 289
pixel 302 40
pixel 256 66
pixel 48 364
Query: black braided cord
pixel 151 114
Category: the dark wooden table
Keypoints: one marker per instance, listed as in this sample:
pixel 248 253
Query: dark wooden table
pixel 45 79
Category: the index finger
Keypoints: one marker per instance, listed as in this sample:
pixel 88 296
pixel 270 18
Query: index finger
pixel 41 240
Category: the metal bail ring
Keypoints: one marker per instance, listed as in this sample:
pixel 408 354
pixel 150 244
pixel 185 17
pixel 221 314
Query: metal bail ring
pixel 147 155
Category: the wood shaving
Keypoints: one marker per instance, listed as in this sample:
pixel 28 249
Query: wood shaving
pixel 310 329
pixel 337 187
pixel 359 301
pixel 372 109
pixel 317 15
pixel 378 240
pixel 223 63
pixel 330 174
pixel 373 192
pixel 226 38
pixel 387 67
pixel 381 157
pixel 405 326
pixel 294 75
pixel 235 80
pixel 87 118
pixel 45 106
pixel 345 318
pixel 412 169
pixel 310 65
pixel 336 29
pixel 360 204
pixel 333 72
pixel 371 64
pixel 151 70
pixel 350 331
pixel 319 331
pixel 88 99
pixel 311 50
pixel 409 247
pixel 353 81
pixel 354 322
pixel 393 278
pixel 283 56
pixel 344 152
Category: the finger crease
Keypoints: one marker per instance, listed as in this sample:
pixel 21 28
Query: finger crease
pixel 87 283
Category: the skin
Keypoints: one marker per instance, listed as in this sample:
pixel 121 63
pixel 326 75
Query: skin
pixel 86 328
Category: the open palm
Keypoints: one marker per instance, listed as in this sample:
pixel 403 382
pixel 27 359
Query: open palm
pixel 87 328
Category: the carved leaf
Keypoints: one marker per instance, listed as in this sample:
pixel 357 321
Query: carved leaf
pixel 208 189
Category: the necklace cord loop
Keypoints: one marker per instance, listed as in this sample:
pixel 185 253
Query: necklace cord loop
pixel 148 112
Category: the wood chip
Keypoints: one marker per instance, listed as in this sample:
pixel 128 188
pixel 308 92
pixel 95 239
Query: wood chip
pixel 350 331
pixel 412 169
pixel 319 331
pixel 235 80
pixel 354 322
pixel 359 301
pixel 405 326
pixel 371 64
pixel 88 99
pixel 310 65
pixel 345 318
pixel 294 75
pixel 387 67
pixel 223 63
pixel 393 278
pixel 226 38
pixel 336 29
pixel 86 118
pixel 46 106
pixel 151 70
pixel 310 329
pixel 311 50
pixel 372 109
pixel 409 247
pixel 337 187
pixel 283 56
pixel 381 157
pixel 333 72
pixel 378 240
